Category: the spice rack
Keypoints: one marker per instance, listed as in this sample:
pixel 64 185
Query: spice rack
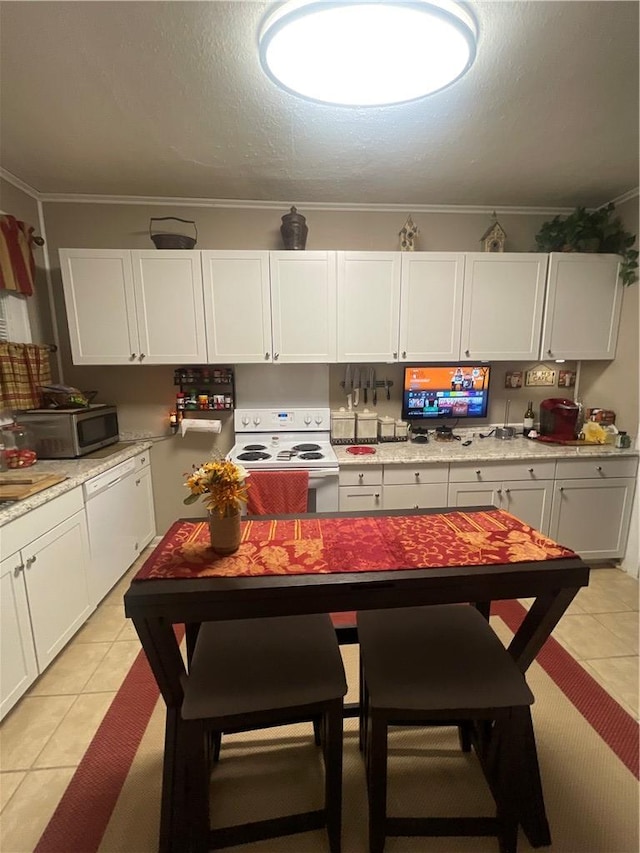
pixel 204 389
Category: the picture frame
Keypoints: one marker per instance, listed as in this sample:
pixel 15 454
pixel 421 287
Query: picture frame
pixel 566 378
pixel 513 379
pixel 540 376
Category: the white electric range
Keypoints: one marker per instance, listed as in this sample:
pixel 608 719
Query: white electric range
pixel 290 438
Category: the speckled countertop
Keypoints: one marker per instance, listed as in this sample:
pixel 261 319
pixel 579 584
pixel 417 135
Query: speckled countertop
pixel 77 472
pixel 480 450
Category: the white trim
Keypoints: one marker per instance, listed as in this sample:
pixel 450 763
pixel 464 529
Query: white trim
pixel 71 198
pixel 47 272
pixel 625 196
pixel 19 184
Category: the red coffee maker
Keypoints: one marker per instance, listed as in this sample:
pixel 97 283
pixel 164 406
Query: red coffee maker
pixel 559 419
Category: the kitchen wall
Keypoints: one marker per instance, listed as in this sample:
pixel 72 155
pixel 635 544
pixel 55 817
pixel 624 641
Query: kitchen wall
pixel 145 394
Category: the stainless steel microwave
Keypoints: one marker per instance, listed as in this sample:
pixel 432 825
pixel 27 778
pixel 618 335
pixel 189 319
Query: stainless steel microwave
pixel 69 433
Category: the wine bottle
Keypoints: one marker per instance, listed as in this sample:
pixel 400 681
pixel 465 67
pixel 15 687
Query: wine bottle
pixel 529 419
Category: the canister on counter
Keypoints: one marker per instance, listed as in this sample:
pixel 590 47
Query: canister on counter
pixel 366 427
pixel 343 427
pixel 402 430
pixel 386 428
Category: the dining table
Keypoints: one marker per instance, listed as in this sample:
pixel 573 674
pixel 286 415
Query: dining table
pixel 337 562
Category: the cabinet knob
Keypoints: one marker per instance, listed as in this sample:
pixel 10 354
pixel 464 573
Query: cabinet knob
pixel 507 491
pixel 360 476
pixel 143 459
pixel 417 475
pixel 561 489
pixel 415 506
pixel 138 482
pixel 266 356
pixel 19 568
pixel 136 547
pixel 478 472
pixel 133 355
pixel 276 356
pixel 499 491
pixel 31 561
pixel 404 353
pixel 376 495
pixel 531 470
pixel 142 355
pixel 549 352
pixel 467 353
pixel 395 355
pixel 598 467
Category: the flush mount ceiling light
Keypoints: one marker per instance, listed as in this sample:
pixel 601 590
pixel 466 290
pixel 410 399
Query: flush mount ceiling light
pixel 367 53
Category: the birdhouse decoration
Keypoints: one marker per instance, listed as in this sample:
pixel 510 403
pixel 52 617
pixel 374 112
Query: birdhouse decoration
pixel 408 234
pixel 494 237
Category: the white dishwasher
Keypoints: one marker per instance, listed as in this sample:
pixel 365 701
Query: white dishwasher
pixel 111 512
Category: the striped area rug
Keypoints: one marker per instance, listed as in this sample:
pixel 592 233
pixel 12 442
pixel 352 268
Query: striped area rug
pixel 587 744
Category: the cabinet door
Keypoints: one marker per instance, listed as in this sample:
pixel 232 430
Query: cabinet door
pixel 368 306
pixel 430 306
pixel 360 498
pixel 100 304
pixel 582 314
pixel 56 579
pixel 529 501
pixel 592 516
pixel 144 514
pixel 169 306
pixel 237 303
pixel 474 494
pixel 18 668
pixel 303 306
pixel 502 306
pixel 415 496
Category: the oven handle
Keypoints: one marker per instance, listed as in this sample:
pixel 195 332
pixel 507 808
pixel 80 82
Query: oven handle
pixel 322 473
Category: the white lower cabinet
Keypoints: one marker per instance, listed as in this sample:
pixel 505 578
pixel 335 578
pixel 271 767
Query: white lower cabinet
pixel 592 503
pixel 530 501
pixel 415 486
pixel 144 514
pixel 45 597
pixel 360 488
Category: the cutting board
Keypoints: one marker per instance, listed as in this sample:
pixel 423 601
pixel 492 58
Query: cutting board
pixel 17 485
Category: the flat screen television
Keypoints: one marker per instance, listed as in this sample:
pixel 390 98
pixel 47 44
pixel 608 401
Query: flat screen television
pixel 440 391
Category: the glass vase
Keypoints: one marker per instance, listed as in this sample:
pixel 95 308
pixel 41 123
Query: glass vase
pixel 224 531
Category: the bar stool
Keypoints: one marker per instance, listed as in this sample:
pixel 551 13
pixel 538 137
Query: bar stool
pixel 257 673
pixel 443 665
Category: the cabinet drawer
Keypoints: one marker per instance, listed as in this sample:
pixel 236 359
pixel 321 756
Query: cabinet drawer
pixel 367 475
pixel 356 499
pixel 421 496
pixel 35 523
pixel 479 472
pixel 402 475
pixel 584 468
pixel 143 460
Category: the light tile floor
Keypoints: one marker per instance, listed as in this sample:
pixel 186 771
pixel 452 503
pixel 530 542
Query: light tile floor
pixel 44 737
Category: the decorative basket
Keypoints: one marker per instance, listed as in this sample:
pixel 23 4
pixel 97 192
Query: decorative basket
pixel 164 240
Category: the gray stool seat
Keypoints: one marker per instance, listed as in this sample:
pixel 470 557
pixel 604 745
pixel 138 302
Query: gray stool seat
pixel 255 673
pixel 444 665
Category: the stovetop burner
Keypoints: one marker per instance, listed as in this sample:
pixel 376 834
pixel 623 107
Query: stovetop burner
pixel 255 447
pixel 313 454
pixel 253 456
pixel 307 448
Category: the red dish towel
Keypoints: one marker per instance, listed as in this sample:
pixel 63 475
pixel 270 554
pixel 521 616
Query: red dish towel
pixel 277 492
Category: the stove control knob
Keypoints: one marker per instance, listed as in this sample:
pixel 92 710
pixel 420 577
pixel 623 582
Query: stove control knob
pixel 318 419
pixel 245 420
pixel 307 419
pixel 256 420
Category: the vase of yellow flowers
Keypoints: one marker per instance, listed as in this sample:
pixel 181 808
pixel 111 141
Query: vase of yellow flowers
pixel 223 486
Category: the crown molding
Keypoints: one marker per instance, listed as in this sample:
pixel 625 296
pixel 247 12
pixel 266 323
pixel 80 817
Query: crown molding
pixel 626 196
pixel 19 184
pixel 252 204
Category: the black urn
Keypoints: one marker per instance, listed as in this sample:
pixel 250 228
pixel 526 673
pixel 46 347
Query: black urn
pixel 294 230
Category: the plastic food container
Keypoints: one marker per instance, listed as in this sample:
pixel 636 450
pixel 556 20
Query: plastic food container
pixel 18 447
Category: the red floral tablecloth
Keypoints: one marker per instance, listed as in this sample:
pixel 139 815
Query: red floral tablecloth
pixel 362 544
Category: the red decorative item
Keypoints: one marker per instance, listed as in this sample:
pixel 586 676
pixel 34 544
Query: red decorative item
pixel 360 450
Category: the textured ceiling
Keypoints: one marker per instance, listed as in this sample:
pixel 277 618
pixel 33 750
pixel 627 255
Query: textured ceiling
pixel 168 99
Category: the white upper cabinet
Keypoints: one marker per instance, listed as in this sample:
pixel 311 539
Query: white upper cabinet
pixel 270 306
pixel 237 301
pixel 368 306
pixel 582 314
pixel 430 306
pixel 101 310
pixel 169 306
pixel 134 307
pixel 303 306
pixel 502 307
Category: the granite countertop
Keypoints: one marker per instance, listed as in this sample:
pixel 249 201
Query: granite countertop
pixel 77 472
pixel 480 450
